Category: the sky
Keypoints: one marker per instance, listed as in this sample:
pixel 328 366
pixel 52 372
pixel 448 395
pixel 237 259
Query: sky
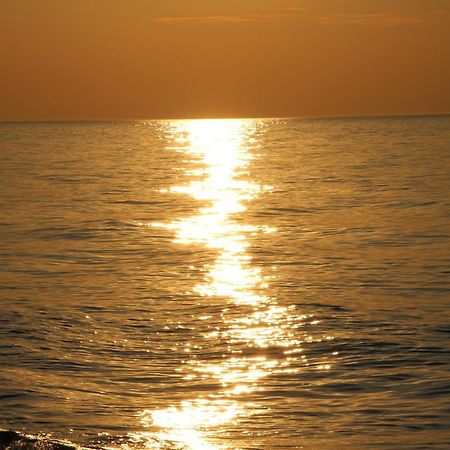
pixel 145 59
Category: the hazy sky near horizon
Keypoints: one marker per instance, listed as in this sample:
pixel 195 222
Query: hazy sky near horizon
pixel 117 59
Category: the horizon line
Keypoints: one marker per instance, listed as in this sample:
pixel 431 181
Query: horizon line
pixel 281 117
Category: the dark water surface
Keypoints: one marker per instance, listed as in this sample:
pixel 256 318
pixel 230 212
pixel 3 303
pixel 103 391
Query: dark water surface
pixel 243 284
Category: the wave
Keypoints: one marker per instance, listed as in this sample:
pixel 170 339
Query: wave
pixel 12 440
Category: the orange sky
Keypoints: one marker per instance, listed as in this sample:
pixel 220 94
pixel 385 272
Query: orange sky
pixel 119 59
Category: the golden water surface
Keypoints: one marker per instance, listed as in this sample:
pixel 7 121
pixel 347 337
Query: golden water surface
pixel 226 284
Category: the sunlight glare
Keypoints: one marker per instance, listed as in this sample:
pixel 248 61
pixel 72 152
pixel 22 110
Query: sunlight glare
pixel 221 151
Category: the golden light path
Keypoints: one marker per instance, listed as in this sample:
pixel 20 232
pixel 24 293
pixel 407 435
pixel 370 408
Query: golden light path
pixel 224 150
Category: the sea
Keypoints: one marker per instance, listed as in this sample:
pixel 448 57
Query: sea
pixel 227 284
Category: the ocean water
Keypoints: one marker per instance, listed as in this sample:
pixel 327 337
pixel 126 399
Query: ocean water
pixel 227 284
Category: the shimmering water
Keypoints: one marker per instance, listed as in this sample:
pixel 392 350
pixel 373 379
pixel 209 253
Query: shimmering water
pixel 230 284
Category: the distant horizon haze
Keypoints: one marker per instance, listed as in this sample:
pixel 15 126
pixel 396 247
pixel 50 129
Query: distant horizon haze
pixel 220 118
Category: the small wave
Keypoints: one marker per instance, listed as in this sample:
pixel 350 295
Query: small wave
pixel 138 202
pixel 11 440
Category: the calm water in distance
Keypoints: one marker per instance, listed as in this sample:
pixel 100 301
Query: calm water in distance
pixel 228 284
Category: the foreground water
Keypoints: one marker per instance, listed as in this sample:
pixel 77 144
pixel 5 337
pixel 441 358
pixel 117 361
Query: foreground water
pixel 240 284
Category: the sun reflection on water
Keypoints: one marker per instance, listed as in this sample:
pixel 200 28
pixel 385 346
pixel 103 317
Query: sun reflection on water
pixel 223 150
pixel 187 424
